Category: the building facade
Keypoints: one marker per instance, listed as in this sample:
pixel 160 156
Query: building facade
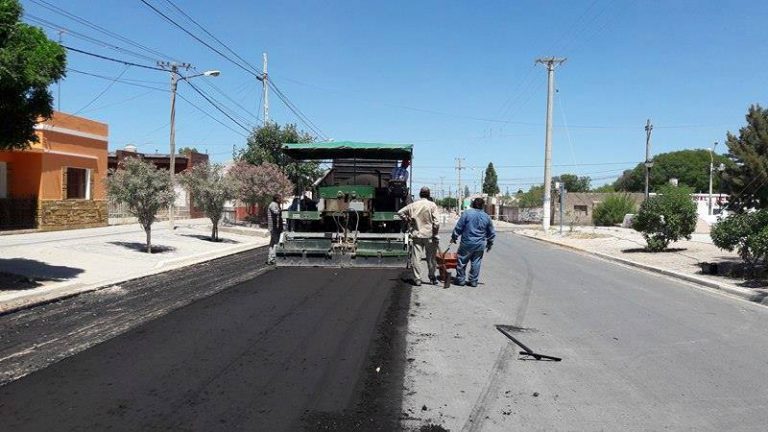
pixel 58 182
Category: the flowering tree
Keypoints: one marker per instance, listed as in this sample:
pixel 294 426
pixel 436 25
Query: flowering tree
pixel 144 188
pixel 210 188
pixel 256 184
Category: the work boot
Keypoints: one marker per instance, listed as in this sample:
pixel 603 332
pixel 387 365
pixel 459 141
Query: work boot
pixel 433 280
pixel 472 284
pixel 458 282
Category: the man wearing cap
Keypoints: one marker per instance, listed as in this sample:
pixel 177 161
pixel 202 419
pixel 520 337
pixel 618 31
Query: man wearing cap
pixel 424 226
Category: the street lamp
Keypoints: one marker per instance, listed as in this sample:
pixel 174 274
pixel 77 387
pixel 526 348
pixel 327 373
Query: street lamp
pixel 175 78
pixel 711 169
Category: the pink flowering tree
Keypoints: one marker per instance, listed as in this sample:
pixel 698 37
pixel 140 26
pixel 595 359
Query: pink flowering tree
pixel 256 184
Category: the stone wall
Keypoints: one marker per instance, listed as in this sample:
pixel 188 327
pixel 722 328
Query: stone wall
pixel 71 214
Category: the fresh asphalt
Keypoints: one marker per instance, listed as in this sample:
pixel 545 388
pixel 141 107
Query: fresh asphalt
pixel 289 349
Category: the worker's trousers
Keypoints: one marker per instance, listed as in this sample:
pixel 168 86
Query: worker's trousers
pixel 273 240
pixel 423 248
pixel 469 254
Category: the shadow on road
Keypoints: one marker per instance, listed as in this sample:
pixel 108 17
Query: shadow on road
pixel 208 238
pixel 23 273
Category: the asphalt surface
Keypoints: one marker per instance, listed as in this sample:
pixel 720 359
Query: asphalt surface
pixel 641 352
pixel 290 349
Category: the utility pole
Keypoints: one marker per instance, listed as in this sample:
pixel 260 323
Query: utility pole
pixel 711 169
pixel 459 192
pixel 442 189
pixel 551 63
pixel 173 67
pixel 648 163
pixel 265 91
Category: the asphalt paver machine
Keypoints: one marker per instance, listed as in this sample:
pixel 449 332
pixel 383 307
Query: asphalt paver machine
pixel 351 218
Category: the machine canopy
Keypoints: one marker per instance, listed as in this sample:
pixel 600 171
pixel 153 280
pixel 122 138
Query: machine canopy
pixel 347 150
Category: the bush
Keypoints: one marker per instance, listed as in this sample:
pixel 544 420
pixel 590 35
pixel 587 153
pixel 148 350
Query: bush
pixel 613 209
pixel 747 233
pixel 667 217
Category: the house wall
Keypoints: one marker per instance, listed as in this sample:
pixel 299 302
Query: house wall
pixel 24 169
pixel 578 207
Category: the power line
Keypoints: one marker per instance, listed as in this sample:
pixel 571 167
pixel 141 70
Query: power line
pixel 206 97
pixel 137 83
pixel 210 116
pixel 301 116
pixel 194 36
pixel 98 28
pixel 210 34
pixel 112 59
pixel 106 89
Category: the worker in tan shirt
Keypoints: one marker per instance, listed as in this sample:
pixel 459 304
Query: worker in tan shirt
pixel 424 226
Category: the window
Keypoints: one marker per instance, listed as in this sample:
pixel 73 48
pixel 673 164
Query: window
pixel 78 183
pixel 580 209
pixel 3 180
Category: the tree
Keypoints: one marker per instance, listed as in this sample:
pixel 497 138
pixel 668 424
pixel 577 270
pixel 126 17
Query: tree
pixel 689 167
pixel 185 150
pixel 746 232
pixel 256 184
pixel 264 145
pixel 533 198
pixel 667 217
pixel 606 188
pixel 210 188
pixel 447 202
pixel 574 183
pixel 747 177
pixel 143 188
pixel 490 181
pixel 29 63
pixel 612 209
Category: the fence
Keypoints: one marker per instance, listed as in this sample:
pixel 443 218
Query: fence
pixel 18 213
pixel 119 214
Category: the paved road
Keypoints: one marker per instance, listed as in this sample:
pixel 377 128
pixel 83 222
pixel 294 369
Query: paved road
pixel 288 350
pixel 641 352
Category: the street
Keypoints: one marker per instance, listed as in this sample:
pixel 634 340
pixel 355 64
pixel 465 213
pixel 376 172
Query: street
pixel 640 351
pixel 286 350
pixel 237 348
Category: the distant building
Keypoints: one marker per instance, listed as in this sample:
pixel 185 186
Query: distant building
pixel 57 183
pixel 185 207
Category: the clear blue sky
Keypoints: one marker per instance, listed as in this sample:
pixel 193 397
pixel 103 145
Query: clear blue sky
pixel 456 79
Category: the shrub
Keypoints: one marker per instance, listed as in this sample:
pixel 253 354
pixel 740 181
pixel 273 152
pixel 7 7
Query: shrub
pixel 613 209
pixel 747 233
pixel 666 218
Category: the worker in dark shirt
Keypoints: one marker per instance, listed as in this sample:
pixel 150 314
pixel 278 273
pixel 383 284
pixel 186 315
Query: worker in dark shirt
pixel 477 235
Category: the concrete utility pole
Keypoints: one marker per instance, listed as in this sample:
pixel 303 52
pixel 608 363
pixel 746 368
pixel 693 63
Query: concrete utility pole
pixel 442 189
pixel 711 169
pixel 648 163
pixel 551 63
pixel 459 192
pixel 173 68
pixel 265 91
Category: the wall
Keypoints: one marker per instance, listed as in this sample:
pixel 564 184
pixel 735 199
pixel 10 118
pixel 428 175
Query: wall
pixel 71 214
pixel 23 173
pixel 579 206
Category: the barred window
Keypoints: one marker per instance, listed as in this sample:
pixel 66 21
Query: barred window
pixel 78 183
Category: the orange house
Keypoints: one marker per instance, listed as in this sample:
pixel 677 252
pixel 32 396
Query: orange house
pixel 57 183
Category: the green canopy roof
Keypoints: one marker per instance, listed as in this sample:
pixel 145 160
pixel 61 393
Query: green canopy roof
pixel 347 150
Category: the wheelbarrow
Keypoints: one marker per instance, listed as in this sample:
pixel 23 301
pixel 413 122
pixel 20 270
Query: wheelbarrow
pixel 446 261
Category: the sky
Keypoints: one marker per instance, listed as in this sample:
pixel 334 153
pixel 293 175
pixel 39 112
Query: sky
pixel 457 79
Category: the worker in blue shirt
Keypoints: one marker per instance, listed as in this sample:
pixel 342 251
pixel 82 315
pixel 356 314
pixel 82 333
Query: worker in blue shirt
pixel 477 235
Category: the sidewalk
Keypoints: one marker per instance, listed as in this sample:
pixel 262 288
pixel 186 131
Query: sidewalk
pixel 40 267
pixel 683 260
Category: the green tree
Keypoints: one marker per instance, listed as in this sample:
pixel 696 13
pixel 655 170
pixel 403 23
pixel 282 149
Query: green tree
pixel 185 150
pixel 210 188
pixel 574 183
pixel 447 202
pixel 143 188
pixel 490 181
pixel 612 209
pixel 264 145
pixel 533 198
pixel 690 167
pixel 606 188
pixel 747 178
pixel 29 63
pixel 746 232
pixel 666 217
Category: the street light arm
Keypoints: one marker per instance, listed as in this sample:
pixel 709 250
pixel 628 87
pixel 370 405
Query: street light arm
pixel 211 73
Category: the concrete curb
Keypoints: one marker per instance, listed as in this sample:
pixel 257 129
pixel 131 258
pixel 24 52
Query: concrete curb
pixel 759 296
pixel 71 289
